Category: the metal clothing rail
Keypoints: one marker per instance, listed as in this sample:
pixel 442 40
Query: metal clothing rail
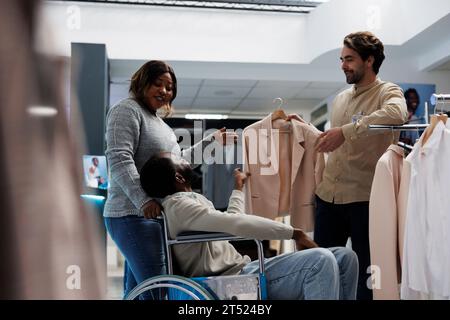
pixel 405 146
pixel 404 127
pixel 440 99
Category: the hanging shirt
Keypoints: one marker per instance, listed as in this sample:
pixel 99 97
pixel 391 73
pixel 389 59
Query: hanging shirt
pixel 383 226
pixel 218 178
pixel 426 251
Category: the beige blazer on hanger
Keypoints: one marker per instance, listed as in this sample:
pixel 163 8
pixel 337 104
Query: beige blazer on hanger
pixel 285 170
pixel 386 223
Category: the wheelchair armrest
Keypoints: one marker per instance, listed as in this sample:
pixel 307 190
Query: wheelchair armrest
pixel 204 235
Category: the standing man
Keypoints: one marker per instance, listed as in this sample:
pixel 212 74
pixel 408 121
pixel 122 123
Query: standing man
pixel 342 197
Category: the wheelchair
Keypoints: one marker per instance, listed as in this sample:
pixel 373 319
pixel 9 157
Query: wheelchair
pixel 175 287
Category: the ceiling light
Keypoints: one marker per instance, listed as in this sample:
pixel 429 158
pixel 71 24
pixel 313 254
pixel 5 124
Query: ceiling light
pixel 93 197
pixel 223 93
pixel 205 116
pixel 42 111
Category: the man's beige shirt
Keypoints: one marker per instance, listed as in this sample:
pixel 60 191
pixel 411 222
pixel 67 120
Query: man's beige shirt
pixel 350 168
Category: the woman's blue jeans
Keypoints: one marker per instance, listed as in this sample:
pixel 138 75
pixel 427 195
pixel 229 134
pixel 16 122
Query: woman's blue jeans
pixel 141 242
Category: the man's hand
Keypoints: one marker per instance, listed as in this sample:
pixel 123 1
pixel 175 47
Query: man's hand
pixel 152 209
pixel 302 241
pixel 330 140
pixel 224 137
pixel 239 179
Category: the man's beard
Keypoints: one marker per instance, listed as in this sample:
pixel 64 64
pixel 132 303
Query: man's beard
pixel 354 77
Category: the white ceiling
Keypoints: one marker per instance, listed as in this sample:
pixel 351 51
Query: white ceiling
pixel 247 89
pixel 236 62
pixel 444 66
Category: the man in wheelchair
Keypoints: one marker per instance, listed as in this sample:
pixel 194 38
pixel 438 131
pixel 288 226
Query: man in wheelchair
pixel 309 273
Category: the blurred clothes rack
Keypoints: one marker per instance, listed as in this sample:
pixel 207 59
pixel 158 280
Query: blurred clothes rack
pixel 50 245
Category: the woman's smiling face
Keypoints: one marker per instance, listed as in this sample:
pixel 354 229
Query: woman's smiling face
pixel 160 92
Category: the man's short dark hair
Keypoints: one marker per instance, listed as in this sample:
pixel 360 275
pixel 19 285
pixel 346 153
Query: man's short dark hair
pixel 366 44
pixel 158 177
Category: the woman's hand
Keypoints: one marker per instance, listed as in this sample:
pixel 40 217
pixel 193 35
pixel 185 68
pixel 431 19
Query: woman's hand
pixel 152 209
pixel 239 179
pixel 224 137
pixel 302 241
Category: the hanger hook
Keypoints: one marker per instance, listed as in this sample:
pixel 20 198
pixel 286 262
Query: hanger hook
pixel 279 101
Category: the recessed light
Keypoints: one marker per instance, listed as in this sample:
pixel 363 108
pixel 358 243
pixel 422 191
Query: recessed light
pixel 42 111
pixel 205 116
pixel 223 93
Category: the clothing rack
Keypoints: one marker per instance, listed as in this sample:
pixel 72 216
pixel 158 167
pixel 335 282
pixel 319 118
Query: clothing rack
pixel 403 127
pixel 405 146
pixel 440 99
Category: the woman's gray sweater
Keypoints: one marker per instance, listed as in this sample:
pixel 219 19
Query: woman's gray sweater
pixel 133 135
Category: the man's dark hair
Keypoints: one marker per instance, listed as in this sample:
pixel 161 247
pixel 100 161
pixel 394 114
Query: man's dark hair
pixel 158 177
pixel 366 44
pixel 146 76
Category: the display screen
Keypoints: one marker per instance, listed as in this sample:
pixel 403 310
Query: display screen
pixel 95 171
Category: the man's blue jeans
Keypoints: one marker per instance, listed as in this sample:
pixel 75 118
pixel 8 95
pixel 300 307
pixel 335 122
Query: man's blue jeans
pixel 141 242
pixel 313 274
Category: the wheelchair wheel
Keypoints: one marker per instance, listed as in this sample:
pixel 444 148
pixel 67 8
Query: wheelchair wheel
pixel 170 287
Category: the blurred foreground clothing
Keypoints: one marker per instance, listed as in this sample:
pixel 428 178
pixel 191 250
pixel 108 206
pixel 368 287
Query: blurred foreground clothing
pixel 50 246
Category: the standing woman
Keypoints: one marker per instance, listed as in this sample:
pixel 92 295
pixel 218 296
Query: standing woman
pixel 134 133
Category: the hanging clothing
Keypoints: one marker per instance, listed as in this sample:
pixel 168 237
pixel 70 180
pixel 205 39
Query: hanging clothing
pixel 218 179
pixel 285 170
pixel 383 224
pixel 426 260
pixel 51 244
pixel 410 137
